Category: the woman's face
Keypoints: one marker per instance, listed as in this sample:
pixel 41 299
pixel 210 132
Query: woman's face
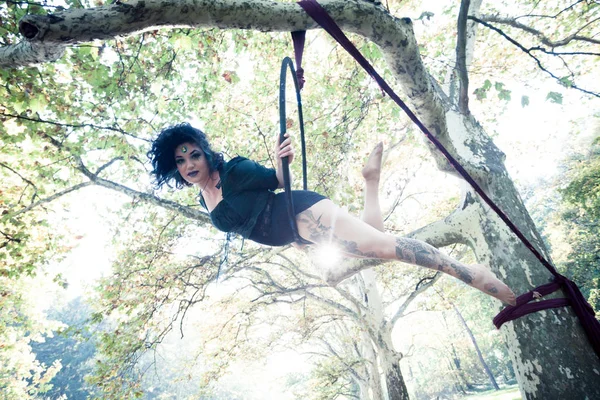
pixel 191 163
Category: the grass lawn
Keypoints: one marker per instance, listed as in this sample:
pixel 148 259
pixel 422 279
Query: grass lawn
pixel 511 393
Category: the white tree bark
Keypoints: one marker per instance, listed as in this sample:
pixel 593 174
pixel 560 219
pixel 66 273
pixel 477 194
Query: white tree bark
pixel 375 318
pixel 377 345
pixel 376 342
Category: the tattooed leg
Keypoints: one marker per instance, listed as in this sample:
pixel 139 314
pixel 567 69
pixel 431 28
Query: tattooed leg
pixel 476 275
pixel 371 215
pixel 325 223
pixel 321 229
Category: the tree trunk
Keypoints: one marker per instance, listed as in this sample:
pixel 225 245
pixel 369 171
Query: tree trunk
pixel 396 387
pixel 374 389
pixel 461 382
pixel 549 349
pixel 387 359
pixel 370 387
pixel 479 355
pixel 389 362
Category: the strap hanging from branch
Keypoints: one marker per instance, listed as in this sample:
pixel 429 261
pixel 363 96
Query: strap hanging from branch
pixel 285 64
pixel 581 307
pixel 298 38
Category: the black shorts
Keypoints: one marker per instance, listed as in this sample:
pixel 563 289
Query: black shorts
pixel 273 224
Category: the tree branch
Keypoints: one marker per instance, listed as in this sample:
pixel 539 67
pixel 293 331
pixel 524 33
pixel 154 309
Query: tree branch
pixel 349 367
pixel 461 57
pixel 48 199
pixel 64 125
pixel 420 288
pixel 147 197
pixel 108 164
pixel 31 3
pixel 550 16
pixel 357 304
pixel 29 53
pixel 29 183
pixel 186 211
pixel 345 310
pixel 296 269
pixel 529 53
pixel 334 276
pixel 543 38
pixel 273 289
pixel 394 36
pixel 443 232
pixel 9 239
pixel 305 289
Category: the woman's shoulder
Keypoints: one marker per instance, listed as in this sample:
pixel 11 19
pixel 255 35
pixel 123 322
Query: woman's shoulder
pixel 243 171
pixel 234 161
pixel 238 164
pixel 233 168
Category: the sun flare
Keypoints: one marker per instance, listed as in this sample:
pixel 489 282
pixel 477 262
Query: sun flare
pixel 327 256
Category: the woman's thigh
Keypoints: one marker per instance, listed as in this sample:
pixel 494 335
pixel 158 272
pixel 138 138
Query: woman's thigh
pixel 325 222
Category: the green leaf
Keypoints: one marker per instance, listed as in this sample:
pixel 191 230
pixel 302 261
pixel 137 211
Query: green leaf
pixel 524 101
pixel 84 50
pixel 566 81
pixel 183 43
pixel 94 52
pixel 38 103
pixel 481 92
pixel 555 97
pixel 19 106
pixel 371 51
pixel 504 95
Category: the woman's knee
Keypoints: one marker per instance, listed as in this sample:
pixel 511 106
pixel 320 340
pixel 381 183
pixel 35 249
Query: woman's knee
pixel 381 244
pixel 325 222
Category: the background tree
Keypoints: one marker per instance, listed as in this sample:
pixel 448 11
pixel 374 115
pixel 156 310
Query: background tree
pixel 572 230
pixel 75 349
pixel 582 216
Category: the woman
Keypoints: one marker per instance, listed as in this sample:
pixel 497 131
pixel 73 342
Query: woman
pixel 239 198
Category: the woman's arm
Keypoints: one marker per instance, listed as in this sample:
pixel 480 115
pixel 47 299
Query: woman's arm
pixel 285 149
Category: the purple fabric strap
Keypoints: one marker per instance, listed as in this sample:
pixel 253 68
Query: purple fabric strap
pixel 298 38
pixel 581 307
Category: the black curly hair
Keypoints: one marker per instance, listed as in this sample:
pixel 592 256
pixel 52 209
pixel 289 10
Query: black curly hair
pixel 162 153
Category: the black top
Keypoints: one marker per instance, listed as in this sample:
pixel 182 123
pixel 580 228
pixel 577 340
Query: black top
pixel 246 186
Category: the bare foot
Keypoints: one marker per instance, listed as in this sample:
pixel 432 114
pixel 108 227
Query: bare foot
pixel 486 281
pixel 372 168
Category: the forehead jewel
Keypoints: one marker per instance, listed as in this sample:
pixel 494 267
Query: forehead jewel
pixel 184 149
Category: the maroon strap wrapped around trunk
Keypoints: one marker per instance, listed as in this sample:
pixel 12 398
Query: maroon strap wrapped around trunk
pixel 575 298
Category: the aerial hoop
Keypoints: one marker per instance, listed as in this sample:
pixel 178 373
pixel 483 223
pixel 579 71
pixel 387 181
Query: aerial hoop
pixel 287 62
